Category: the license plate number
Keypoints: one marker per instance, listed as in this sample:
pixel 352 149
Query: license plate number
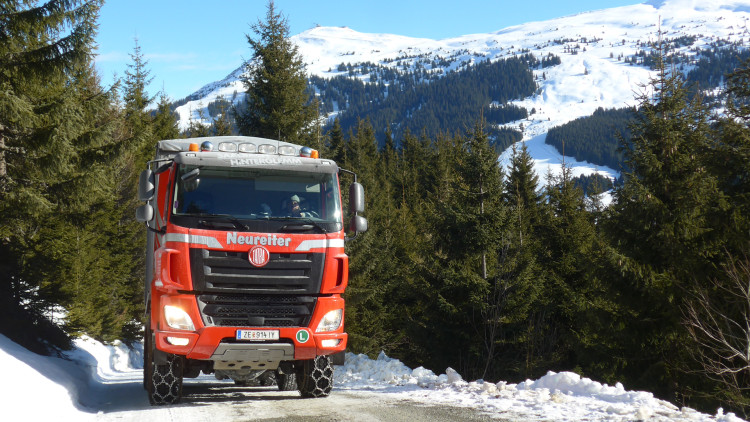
pixel 257 334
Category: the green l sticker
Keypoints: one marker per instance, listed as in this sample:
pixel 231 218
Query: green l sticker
pixel 302 336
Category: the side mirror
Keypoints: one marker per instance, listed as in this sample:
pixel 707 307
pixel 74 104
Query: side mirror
pixel 358 224
pixel 356 198
pixel 144 213
pixel 146 185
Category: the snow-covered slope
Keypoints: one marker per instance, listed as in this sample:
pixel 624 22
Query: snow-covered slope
pixel 99 382
pixel 593 47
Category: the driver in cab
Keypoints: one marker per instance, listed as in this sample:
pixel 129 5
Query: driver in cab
pixel 295 208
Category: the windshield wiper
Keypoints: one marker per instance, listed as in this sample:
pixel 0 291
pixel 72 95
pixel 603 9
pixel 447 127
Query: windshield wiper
pixel 298 224
pixel 226 217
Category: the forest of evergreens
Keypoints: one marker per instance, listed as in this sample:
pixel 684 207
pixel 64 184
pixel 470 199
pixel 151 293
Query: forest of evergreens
pixel 433 103
pixel 465 264
pixel 596 138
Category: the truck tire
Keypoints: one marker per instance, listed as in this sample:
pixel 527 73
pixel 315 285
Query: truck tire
pixel 165 385
pixel 315 377
pixel 286 382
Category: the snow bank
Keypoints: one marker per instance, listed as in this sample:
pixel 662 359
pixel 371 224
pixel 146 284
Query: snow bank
pixel 38 387
pixel 69 387
pixel 563 396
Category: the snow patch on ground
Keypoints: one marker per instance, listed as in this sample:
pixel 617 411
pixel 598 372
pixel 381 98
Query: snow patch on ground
pixel 564 396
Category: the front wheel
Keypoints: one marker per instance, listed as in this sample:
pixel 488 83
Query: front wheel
pixel 165 383
pixel 315 377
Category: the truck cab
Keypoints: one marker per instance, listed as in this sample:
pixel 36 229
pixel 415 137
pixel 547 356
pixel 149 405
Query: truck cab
pixel 245 264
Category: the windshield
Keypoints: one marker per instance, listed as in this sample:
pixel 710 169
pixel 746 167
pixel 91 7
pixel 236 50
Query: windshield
pixel 243 196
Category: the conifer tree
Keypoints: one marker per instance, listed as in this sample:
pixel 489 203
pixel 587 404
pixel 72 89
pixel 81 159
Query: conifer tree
pixel 415 165
pixel 375 261
pixel 574 298
pixel 114 311
pixel 43 47
pixel 362 151
pixel 277 102
pixel 222 125
pixel 138 120
pixel 196 128
pixel 521 192
pixel 389 150
pixel 336 144
pixel 165 121
pixel 667 190
pixel 467 227
pixel 512 326
pixel 102 272
pixel 662 225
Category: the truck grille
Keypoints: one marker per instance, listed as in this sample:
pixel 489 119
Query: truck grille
pixel 256 310
pixel 231 272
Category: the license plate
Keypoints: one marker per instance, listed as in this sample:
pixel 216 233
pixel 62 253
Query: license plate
pixel 257 334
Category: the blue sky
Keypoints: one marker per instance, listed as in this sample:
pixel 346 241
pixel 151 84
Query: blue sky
pixel 190 43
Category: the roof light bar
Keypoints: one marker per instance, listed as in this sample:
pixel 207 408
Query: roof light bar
pixel 247 147
pixel 286 150
pixel 227 147
pixel 267 149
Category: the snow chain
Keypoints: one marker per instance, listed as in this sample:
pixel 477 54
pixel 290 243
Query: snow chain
pixel 316 377
pixel 167 380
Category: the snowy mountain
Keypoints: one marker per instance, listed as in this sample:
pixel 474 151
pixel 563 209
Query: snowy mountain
pixel 597 50
pixel 99 382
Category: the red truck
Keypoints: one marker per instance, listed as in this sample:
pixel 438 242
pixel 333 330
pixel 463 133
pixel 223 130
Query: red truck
pixel 245 264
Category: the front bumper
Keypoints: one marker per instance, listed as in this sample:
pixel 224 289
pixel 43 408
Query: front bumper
pixel 204 342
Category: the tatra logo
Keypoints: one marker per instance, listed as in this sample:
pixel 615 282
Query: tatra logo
pixel 258 256
pixel 267 240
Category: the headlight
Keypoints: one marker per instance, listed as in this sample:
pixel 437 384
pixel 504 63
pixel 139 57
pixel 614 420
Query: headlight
pixel 331 321
pixel 177 318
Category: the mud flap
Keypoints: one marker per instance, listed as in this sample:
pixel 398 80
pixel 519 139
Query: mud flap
pixel 339 358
